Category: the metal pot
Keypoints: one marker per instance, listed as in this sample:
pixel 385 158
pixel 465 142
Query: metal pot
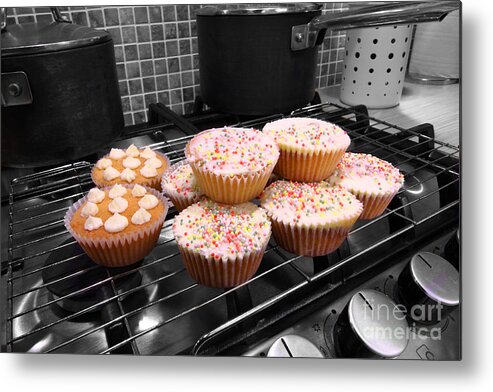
pixel 262 60
pixel 60 95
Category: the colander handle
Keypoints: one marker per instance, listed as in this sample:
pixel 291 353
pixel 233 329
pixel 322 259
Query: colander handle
pixel 394 13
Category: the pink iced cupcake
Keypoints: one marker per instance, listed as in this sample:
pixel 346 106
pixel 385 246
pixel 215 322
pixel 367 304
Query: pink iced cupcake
pixel 179 184
pixel 310 219
pixel 232 165
pixel 372 180
pixel 310 148
pixel 222 245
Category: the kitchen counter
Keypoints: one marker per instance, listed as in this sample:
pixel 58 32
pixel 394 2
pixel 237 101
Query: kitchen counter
pixel 437 105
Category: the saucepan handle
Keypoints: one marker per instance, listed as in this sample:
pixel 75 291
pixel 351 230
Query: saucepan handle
pixel 393 13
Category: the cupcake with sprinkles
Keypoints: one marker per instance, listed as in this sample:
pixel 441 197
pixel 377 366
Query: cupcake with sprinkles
pixel 310 148
pixel 372 180
pixel 119 225
pixel 133 165
pixel 232 165
pixel 310 219
pixel 222 245
pixel 179 184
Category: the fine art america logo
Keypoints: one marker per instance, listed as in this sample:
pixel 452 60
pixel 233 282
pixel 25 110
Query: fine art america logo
pixel 420 321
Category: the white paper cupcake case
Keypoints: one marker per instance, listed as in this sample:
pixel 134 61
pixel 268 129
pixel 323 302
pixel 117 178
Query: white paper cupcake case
pixel 222 273
pixel 154 182
pixel 309 166
pixel 308 240
pixel 121 248
pixel 373 204
pixel 179 200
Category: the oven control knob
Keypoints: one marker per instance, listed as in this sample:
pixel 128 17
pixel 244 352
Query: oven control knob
pixel 294 346
pixel 428 287
pixel 370 326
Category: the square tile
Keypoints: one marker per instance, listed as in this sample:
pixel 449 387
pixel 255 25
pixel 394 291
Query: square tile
pixel 141 15
pixel 160 66
pixel 135 86
pixel 178 109
pixel 140 117
pixel 170 30
pixel 185 63
pixel 155 14
pixel 172 48
pixel 131 53
pixel 143 34
pixel 183 30
pixel 79 18
pixel 173 65
pixel 174 80
pixel 126 105
pixel 147 68
pixel 163 97
pixel 96 18
pixel 169 14
pixel 133 70
pixel 184 46
pixel 149 84
pixel 126 16
pixel 145 51
pixel 111 17
pixel 123 89
pixel 128 35
pixel 137 102
pixel 188 107
pixel 158 50
pixel 182 12
pixel 150 98
pixel 118 54
pixel 128 119
pixel 188 94
pixel 120 71
pixel 176 96
pixel 162 82
pixel 187 78
pixel 157 32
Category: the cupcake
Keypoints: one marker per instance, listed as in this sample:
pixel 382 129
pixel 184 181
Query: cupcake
pixel 232 165
pixel 374 181
pixel 310 148
pixel 134 165
pixel 179 184
pixel 222 245
pixel 310 219
pixel 117 226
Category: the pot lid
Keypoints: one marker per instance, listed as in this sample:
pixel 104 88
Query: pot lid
pixel 259 9
pixel 28 38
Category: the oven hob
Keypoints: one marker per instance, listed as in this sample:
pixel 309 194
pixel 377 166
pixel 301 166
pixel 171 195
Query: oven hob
pixel 154 307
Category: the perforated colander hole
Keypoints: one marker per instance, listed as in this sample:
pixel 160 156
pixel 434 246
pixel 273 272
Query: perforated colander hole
pixel 401 69
pixel 375 41
pixel 386 83
pixel 391 56
pixel 359 40
pixel 345 66
pixel 367 94
pixel 352 92
pixel 399 82
pixel 389 70
pixel 392 41
pixel 403 54
pixel 369 83
pixel 370 70
pixel 373 56
pixel 384 95
pixel 406 39
pixel 356 55
pixel 354 81
pixel 395 27
pixel 355 69
pixel 347 53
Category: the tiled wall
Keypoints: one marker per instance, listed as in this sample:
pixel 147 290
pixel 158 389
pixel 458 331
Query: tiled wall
pixel 157 54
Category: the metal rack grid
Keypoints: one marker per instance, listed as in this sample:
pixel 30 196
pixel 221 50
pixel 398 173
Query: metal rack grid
pixel 38 202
